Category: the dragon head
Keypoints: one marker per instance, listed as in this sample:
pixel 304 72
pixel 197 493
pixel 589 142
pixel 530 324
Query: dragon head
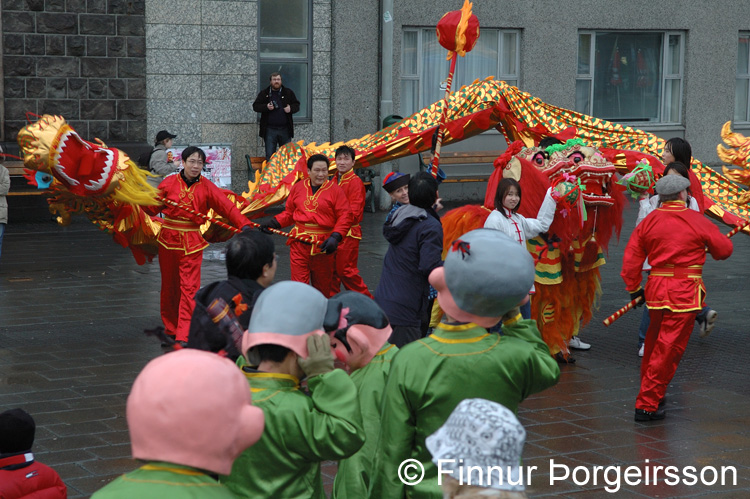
pixel 596 173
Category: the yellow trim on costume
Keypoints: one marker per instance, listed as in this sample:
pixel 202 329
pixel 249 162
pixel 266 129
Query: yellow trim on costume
pixel 384 350
pixel 457 327
pixel 439 354
pixel 689 272
pixel 513 320
pixel 179 471
pixel 456 340
pixel 283 376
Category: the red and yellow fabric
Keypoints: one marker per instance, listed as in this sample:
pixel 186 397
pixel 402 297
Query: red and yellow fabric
pixel 347 254
pixel 316 216
pixel 673 238
pixel 181 246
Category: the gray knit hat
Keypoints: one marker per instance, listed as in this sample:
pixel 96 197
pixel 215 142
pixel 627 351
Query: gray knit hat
pixel 486 274
pixel 671 184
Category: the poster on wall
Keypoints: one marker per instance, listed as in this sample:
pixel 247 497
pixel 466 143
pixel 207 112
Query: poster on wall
pixel 218 167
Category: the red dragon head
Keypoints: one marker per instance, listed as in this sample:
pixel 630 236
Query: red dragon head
pixel 596 173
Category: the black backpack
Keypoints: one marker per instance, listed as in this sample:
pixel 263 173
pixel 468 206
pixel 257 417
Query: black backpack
pixel 144 160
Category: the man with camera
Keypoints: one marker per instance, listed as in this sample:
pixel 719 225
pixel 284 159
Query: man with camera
pixel 276 105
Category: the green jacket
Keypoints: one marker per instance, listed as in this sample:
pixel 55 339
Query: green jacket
pixel 301 431
pixel 353 476
pixel 158 480
pixel 428 379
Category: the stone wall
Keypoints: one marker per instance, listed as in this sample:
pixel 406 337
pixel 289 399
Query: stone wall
pixel 82 59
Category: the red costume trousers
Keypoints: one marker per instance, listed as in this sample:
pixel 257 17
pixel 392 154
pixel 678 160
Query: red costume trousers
pixel 346 271
pixel 316 270
pixel 666 339
pixel 180 280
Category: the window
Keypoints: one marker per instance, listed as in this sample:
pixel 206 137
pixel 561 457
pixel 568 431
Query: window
pixel 742 90
pixel 424 67
pixel 285 46
pixel 630 77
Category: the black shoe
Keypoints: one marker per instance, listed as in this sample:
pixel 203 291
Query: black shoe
pixel 561 359
pixel 641 415
pixel 663 401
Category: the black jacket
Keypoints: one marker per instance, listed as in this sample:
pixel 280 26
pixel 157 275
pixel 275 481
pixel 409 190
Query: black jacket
pixel 261 103
pixel 416 245
pixel 240 295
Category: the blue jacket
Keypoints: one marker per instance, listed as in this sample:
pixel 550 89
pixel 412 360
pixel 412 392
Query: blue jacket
pixel 416 245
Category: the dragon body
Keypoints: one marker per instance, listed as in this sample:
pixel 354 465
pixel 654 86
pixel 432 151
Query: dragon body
pixel 118 192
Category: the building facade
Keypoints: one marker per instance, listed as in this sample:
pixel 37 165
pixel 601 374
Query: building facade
pixel 122 70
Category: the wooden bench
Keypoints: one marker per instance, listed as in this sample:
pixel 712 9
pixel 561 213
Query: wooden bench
pixel 254 164
pixel 462 158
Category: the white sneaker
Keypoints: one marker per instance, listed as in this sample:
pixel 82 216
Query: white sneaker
pixel 707 325
pixel 640 351
pixel 576 344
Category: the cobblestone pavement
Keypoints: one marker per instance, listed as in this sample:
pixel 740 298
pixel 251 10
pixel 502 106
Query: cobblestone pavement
pixel 73 305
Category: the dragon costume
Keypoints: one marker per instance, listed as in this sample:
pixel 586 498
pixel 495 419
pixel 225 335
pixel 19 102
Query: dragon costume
pixel 471 110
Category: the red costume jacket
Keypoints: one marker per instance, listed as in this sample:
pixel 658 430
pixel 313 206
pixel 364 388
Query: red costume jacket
pixel 316 215
pixel 354 189
pixel 674 238
pixel 180 229
pixel 31 481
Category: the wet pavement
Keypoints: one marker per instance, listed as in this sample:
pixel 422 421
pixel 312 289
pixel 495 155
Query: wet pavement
pixel 73 305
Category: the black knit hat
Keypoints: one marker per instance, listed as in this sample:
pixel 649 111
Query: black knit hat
pixel 17 430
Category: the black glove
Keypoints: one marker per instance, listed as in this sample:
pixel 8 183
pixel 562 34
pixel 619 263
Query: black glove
pixel 245 228
pixel 330 244
pixel 271 224
pixel 638 294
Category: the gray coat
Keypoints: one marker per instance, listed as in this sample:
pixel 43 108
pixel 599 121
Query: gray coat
pixel 4 188
pixel 159 165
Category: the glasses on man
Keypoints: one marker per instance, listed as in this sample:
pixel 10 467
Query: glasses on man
pixel 194 162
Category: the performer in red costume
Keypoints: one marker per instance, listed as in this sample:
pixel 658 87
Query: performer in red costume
pixel 320 211
pixel 345 268
pixel 181 243
pixel 674 238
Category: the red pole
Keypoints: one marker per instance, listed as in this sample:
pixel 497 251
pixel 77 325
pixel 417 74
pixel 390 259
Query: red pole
pixel 443 114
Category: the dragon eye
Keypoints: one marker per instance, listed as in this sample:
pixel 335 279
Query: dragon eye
pixel 538 158
pixel 577 157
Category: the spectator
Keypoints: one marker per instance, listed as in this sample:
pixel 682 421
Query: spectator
pixel 276 105
pixel 359 331
pixel 20 475
pixel 416 244
pixel 4 188
pixel 479 436
pixel 460 359
pixel 251 267
pixel 301 430
pixel 159 163
pixel 190 415
pixel 396 184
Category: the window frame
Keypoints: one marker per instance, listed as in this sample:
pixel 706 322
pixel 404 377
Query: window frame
pixel 422 31
pixel 745 76
pixel 664 77
pixel 308 60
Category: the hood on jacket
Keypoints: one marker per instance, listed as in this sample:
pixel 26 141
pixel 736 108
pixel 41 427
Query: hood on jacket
pixel 402 221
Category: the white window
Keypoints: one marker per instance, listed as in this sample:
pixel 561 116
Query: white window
pixel 424 66
pixel 633 77
pixel 285 46
pixel 742 90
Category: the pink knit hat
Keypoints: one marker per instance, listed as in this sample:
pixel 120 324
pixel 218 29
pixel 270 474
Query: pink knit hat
pixel 192 408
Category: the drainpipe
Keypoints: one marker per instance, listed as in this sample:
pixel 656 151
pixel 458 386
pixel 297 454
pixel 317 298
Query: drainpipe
pixel 386 88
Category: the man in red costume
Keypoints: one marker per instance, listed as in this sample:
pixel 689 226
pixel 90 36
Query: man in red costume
pixel 674 238
pixel 345 268
pixel 180 241
pixel 320 211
